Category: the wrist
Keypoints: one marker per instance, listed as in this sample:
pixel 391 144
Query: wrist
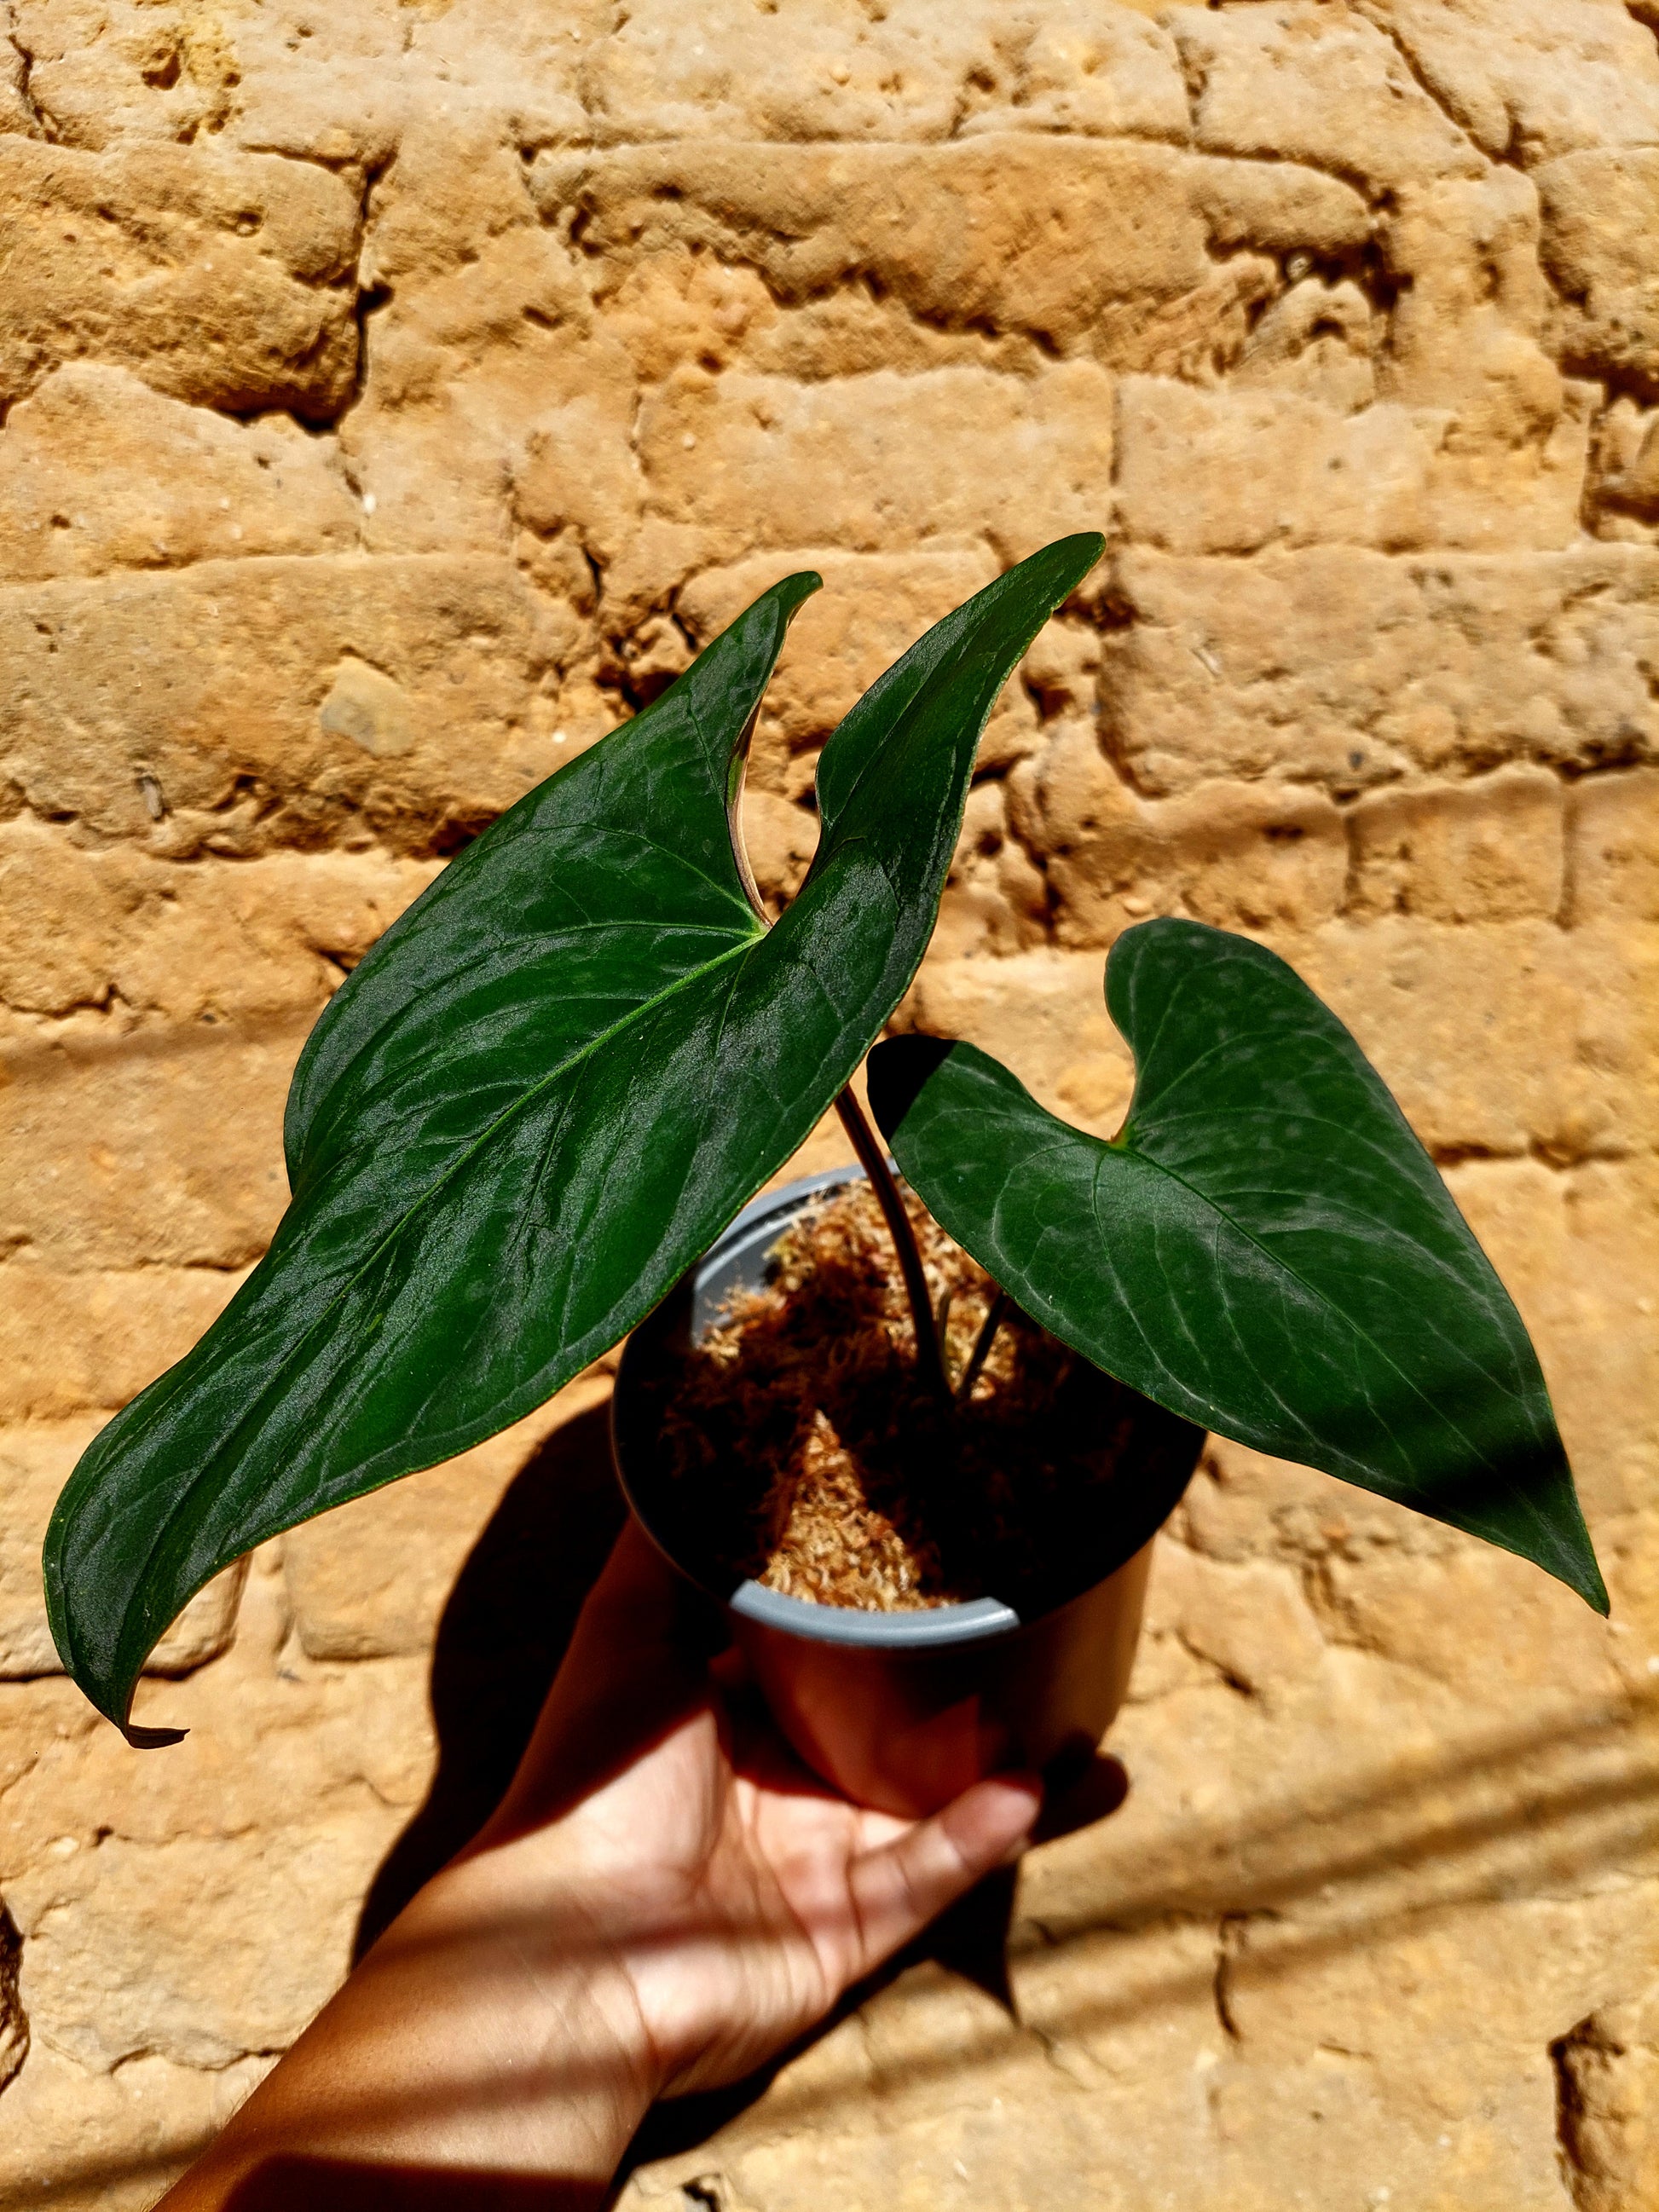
pixel 537 1940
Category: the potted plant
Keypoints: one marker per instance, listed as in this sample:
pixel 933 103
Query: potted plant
pixel 542 1100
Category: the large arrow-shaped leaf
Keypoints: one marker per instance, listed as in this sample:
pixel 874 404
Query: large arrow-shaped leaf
pixel 532 1106
pixel 1264 1247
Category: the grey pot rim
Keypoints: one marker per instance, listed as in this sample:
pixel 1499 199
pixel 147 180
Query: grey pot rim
pixel 749 1237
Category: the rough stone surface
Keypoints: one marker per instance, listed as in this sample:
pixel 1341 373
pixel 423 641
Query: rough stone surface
pixel 392 398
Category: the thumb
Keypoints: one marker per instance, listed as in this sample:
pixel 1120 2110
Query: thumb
pixel 898 1889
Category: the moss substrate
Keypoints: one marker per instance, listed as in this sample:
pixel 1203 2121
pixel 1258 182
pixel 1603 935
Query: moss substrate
pixel 798 1449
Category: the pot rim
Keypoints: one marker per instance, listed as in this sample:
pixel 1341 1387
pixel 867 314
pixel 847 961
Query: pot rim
pixel 690 1306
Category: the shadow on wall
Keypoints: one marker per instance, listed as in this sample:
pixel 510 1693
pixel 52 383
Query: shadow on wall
pixel 500 1641
pixel 1579 1797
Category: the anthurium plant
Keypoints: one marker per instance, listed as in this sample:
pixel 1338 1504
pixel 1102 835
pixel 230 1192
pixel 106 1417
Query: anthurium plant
pixel 554 1080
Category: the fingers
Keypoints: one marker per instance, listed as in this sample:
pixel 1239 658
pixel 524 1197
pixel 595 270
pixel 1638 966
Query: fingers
pixel 898 1889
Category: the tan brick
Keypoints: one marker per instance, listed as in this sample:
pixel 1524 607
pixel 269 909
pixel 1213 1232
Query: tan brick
pixel 1316 85
pixel 1350 668
pixel 1613 845
pixel 1237 855
pixel 1578 1251
pixel 70 1340
pixel 328 1740
pixel 1504 1038
pixel 995 901
pixel 959 235
pixel 488 379
pixel 130 1144
pixel 1599 212
pixel 14 111
pixel 1231 473
pixel 137 1947
pixel 106 73
pixel 1345 1979
pixel 1244 1505
pixel 88 926
pixel 235 689
pixel 455 188
pixel 1319 340
pixel 213 276
pixel 1528 79
pixel 836 72
pixel 1085 68
pixel 102 472
pixel 868 463
pixel 1474 1619
pixel 90 2142
pixel 1279 207
pixel 1489 850
pixel 360 91
pixel 1469 330
pixel 1609 2068
pixel 1250 1621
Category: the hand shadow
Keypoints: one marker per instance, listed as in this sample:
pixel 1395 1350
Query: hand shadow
pixel 502 1637
pixel 286 2184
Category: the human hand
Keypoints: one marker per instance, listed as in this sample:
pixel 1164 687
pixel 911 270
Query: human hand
pixel 738 1894
pixel 664 1900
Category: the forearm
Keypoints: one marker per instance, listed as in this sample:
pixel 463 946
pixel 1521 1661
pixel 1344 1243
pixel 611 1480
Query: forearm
pixel 665 1900
pixel 485 2035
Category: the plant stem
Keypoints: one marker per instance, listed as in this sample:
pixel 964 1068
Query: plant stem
pixel 930 1358
pixel 994 1314
pixel 930 1362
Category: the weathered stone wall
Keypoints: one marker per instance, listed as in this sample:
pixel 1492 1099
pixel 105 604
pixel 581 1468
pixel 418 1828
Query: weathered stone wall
pixel 396 396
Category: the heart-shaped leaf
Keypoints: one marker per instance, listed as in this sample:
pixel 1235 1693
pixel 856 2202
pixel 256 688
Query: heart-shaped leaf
pixel 543 1094
pixel 1264 1247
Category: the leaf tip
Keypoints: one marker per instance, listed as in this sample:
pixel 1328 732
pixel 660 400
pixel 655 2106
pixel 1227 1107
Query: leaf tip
pixel 1072 557
pixel 791 592
pixel 1586 1578
pixel 1565 1552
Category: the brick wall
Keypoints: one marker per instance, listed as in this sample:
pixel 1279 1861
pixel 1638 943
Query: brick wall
pixel 395 397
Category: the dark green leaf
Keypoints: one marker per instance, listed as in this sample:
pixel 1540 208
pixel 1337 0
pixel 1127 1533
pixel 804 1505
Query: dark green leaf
pixel 1264 1247
pixel 538 1099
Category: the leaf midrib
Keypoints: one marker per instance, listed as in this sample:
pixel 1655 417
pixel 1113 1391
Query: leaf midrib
pixel 459 887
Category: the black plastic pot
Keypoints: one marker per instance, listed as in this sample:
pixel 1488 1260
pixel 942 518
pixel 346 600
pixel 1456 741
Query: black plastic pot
pixel 902 1710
